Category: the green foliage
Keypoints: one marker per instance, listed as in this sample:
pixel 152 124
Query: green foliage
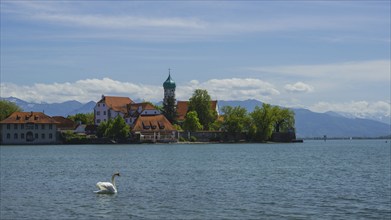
pixel 267 119
pixel 69 136
pixel 182 139
pixel 87 119
pixel 236 119
pixel 116 129
pixel 101 129
pixel 262 123
pixel 216 125
pixel 193 139
pixel 192 122
pixel 177 127
pixel 283 119
pixel 169 110
pixel 7 108
pixel 200 103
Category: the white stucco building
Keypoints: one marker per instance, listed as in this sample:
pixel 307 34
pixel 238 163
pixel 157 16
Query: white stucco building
pixel 110 107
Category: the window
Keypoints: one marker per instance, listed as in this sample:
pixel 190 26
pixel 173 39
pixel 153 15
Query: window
pixel 29 136
pixel 22 136
pixel 98 113
pixel 16 126
pixel 36 126
pixel 43 136
pixel 98 105
pixel 50 126
pixel 22 126
pixel 98 121
pixel 42 126
pixel 50 136
pixel 36 136
pixel 15 136
pixel 104 112
pixel 8 126
pixel 8 135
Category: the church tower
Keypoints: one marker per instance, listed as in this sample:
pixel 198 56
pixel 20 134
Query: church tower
pixel 169 89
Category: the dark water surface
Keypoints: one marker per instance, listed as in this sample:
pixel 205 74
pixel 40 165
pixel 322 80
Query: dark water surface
pixel 311 180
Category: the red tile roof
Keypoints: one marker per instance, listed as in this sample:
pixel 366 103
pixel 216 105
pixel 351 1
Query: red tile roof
pixel 116 103
pixel 144 106
pixel 181 109
pixel 28 117
pixel 152 123
pixel 65 123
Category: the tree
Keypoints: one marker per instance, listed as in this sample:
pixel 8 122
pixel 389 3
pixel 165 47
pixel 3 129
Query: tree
pixel 169 110
pixel 87 118
pixel 283 119
pixel 262 123
pixel 236 119
pixel 7 108
pixel 101 129
pixel 200 102
pixel 116 129
pixel 192 123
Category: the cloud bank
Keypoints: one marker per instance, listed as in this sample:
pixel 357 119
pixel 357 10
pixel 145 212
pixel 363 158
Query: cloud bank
pixel 92 89
pixel 220 89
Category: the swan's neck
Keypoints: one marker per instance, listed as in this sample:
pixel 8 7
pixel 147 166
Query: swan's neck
pixel 113 180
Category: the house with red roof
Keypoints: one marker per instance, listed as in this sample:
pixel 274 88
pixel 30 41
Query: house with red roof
pixel 154 128
pixel 110 107
pixel 28 128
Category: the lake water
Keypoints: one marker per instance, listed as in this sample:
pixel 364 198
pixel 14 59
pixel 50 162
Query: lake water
pixel 348 179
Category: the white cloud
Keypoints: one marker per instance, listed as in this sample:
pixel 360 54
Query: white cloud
pixel 360 109
pixel 231 89
pixel 81 90
pixel 299 87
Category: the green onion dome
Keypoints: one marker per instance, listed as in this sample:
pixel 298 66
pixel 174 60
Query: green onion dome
pixel 169 83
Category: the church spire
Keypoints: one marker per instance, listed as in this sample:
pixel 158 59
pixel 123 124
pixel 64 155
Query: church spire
pixel 169 88
pixel 169 83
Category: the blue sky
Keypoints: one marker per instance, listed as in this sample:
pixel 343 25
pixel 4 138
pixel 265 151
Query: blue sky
pixel 321 55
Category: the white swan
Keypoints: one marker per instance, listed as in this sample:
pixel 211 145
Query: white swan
pixel 107 187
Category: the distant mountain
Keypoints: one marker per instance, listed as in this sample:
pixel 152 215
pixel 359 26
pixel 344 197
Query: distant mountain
pixel 308 123
pixel 376 117
pixel 54 109
pixel 312 124
pixel 85 108
pixel 332 124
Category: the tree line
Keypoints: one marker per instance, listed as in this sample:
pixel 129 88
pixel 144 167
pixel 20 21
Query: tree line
pixel 257 125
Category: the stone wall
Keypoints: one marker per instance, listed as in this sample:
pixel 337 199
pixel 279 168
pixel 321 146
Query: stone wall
pixel 283 137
